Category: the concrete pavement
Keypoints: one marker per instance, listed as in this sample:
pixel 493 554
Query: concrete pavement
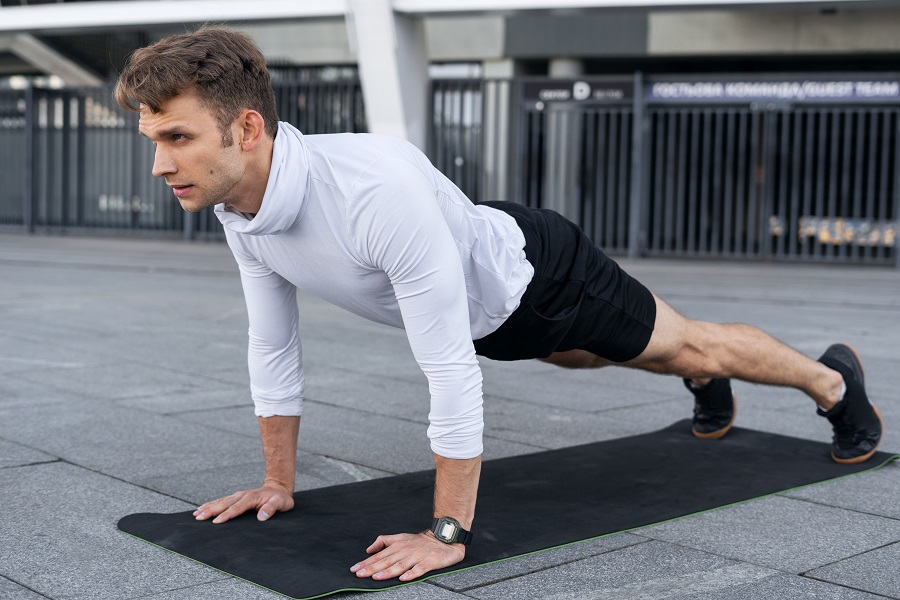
pixel 123 388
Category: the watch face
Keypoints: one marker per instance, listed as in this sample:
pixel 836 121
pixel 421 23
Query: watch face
pixel 446 530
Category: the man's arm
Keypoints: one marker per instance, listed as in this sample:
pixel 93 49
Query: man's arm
pixel 397 222
pixel 274 359
pixel 279 439
pixel 408 556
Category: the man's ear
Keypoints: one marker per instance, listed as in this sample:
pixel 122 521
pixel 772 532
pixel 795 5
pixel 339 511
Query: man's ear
pixel 252 129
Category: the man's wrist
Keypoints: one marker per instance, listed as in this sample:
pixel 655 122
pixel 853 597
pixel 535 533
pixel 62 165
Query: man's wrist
pixel 275 483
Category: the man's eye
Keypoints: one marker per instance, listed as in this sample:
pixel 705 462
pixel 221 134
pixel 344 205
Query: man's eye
pixel 178 136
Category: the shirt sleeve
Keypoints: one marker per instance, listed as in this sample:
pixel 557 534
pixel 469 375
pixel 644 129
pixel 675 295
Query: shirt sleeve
pixel 398 226
pixel 274 355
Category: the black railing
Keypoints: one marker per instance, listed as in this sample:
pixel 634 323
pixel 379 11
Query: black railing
pixel 648 168
pixel 697 168
pixel 71 159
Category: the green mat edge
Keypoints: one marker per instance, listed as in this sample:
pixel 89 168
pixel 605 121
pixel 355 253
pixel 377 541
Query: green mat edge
pixel 887 460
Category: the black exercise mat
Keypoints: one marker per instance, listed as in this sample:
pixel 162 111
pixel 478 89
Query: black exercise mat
pixel 525 504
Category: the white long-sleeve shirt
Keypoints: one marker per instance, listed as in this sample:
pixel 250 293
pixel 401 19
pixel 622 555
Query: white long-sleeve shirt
pixel 367 223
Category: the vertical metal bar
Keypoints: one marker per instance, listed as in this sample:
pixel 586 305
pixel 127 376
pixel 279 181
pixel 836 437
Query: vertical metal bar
pixel 705 182
pixel 28 196
pixel 789 227
pixel 784 176
pixel 49 170
pixel 592 166
pixel 740 221
pixel 716 243
pixel 671 169
pixel 610 197
pixel 811 167
pixel 621 199
pixel 80 161
pixel 536 121
pixel 753 240
pixel 856 200
pixel 66 175
pixel 834 171
pixel 875 117
pixel 895 129
pixel 728 196
pixel 887 193
pixel 658 178
pixel 842 210
pixel 636 203
pixel 694 171
pixel 678 217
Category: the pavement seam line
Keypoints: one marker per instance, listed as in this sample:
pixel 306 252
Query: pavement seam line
pixel 539 569
pixel 853 510
pixel 22 585
pixel 178 589
pixel 847 587
pixel 834 562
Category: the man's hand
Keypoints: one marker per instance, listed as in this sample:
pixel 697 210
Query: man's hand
pixel 266 500
pixel 407 555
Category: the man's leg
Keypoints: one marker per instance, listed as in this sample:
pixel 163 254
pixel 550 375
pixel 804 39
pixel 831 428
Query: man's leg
pixel 701 351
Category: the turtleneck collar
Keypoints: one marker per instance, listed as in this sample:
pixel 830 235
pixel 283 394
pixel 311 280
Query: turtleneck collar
pixel 285 198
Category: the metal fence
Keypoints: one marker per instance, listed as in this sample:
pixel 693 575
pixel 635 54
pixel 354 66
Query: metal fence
pixel 71 159
pixel 703 174
pixel 712 177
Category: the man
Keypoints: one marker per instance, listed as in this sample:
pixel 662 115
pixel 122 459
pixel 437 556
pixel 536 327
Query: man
pixel 366 222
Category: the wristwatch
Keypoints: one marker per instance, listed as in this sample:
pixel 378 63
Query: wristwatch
pixel 449 531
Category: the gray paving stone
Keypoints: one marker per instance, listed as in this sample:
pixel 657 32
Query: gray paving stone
pixel 515 567
pixel 365 439
pixel 125 379
pixel 192 401
pixel 30 353
pixel 313 471
pixel 648 570
pixel 587 390
pixel 785 586
pixel 781 533
pixel 13 591
pixel 380 394
pixel 548 426
pixel 874 571
pixel 58 536
pixel 217 590
pixel 874 493
pixel 416 591
pixel 124 442
pixel 20 392
pixel 15 455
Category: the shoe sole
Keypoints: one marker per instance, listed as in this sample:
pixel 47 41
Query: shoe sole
pixel 714 435
pixel 868 455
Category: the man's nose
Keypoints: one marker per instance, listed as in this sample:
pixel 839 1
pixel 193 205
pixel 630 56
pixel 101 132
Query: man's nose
pixel 162 164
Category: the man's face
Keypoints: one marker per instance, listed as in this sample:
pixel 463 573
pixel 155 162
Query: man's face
pixel 190 155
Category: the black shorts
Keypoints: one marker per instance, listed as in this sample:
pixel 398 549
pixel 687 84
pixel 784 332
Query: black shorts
pixel 579 298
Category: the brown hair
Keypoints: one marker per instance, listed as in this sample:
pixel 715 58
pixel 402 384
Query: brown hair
pixel 224 68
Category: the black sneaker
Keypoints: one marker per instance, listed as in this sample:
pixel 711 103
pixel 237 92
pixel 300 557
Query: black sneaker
pixel 714 408
pixel 857 423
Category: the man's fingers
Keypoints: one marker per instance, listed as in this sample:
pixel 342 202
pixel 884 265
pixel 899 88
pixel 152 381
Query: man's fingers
pixel 382 542
pixel 214 508
pixel 417 571
pixel 238 508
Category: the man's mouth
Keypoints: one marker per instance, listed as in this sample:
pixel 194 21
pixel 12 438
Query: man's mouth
pixel 181 190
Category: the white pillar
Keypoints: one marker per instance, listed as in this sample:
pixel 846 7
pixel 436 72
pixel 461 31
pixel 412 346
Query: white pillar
pixel 393 69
